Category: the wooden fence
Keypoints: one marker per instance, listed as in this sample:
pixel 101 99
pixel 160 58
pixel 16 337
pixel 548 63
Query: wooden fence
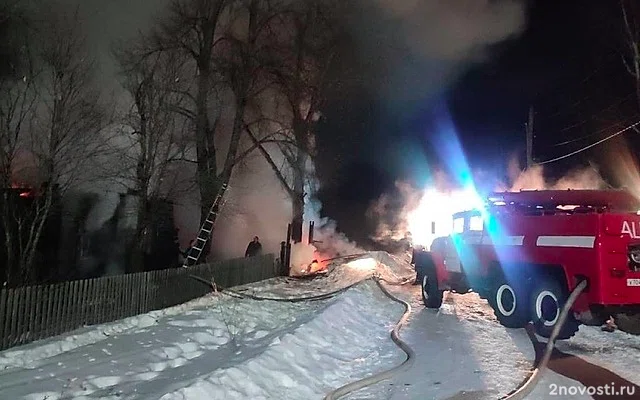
pixel 37 312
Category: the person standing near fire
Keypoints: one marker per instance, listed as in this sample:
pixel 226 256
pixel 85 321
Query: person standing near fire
pixel 254 248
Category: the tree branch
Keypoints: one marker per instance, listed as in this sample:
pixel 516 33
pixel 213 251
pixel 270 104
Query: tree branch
pixel 272 164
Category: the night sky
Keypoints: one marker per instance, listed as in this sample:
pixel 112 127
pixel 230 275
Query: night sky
pixel 566 63
pixel 398 75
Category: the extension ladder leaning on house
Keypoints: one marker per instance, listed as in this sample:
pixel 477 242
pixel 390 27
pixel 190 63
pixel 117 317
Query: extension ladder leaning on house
pixel 204 235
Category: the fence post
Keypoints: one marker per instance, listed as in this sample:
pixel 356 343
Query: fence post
pixel 66 306
pixel 20 307
pixel 48 310
pixel 74 310
pixel 84 303
pixel 3 316
pixel 30 310
pixel 15 314
pixel 37 317
pixel 58 300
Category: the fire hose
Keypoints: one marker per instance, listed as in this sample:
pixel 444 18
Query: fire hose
pixel 241 295
pixel 395 336
pixel 530 383
pixel 519 393
pixel 407 363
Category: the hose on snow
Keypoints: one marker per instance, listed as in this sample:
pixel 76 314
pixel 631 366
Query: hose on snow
pixel 530 383
pixel 395 336
pixel 518 394
pixel 322 296
pixel 297 299
pixel 395 333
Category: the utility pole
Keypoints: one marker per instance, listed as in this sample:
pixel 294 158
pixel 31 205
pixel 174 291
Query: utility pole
pixel 530 139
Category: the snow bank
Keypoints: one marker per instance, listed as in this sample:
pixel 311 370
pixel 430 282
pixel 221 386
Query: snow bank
pixel 25 356
pixel 149 361
pixel 347 341
pixel 341 277
pixel 220 346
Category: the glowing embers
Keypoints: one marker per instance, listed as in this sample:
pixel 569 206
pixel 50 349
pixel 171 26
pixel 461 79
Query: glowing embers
pixel 24 189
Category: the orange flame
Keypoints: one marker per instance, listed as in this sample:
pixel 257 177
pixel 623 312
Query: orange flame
pixel 25 190
pixel 318 263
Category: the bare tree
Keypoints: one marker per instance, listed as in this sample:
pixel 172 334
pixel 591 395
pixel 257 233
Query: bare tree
pixel 222 39
pixel 305 41
pixel 55 119
pixel 631 60
pixel 17 99
pixel 192 29
pixel 156 131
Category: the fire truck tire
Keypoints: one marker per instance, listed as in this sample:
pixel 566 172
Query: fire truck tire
pixel 431 295
pixel 547 299
pixel 629 323
pixel 509 304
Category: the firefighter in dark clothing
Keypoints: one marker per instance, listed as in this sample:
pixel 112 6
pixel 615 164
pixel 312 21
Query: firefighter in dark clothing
pixel 186 251
pixel 254 248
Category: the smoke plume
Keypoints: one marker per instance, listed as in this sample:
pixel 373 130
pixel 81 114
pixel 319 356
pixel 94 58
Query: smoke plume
pixel 456 30
pixel 327 242
pixel 391 211
pixel 421 46
pixel 255 205
pixel 533 179
pixel 626 171
pixel 327 239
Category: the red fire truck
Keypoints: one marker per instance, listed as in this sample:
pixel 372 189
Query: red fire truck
pixel 526 251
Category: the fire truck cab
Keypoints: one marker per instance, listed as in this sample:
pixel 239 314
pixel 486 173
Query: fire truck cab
pixel 526 251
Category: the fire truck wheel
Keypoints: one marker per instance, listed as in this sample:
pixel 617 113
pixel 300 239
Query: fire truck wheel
pixel 509 304
pixel 431 296
pixel 629 323
pixel 547 299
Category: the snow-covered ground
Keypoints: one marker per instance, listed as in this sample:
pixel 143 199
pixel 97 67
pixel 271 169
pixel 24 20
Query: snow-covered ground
pixel 221 347
pixel 467 355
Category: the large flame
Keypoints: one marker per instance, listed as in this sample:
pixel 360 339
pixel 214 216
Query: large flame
pixel 433 217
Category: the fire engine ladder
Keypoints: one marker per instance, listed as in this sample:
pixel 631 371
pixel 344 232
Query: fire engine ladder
pixel 205 230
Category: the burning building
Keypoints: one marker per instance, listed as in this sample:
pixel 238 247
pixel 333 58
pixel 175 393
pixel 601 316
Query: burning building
pixel 101 234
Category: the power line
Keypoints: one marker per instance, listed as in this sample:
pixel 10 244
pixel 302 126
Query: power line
pixel 596 133
pixel 589 146
pixel 593 116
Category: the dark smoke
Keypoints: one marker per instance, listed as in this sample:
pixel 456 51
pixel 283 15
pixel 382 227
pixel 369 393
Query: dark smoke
pixel 417 48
